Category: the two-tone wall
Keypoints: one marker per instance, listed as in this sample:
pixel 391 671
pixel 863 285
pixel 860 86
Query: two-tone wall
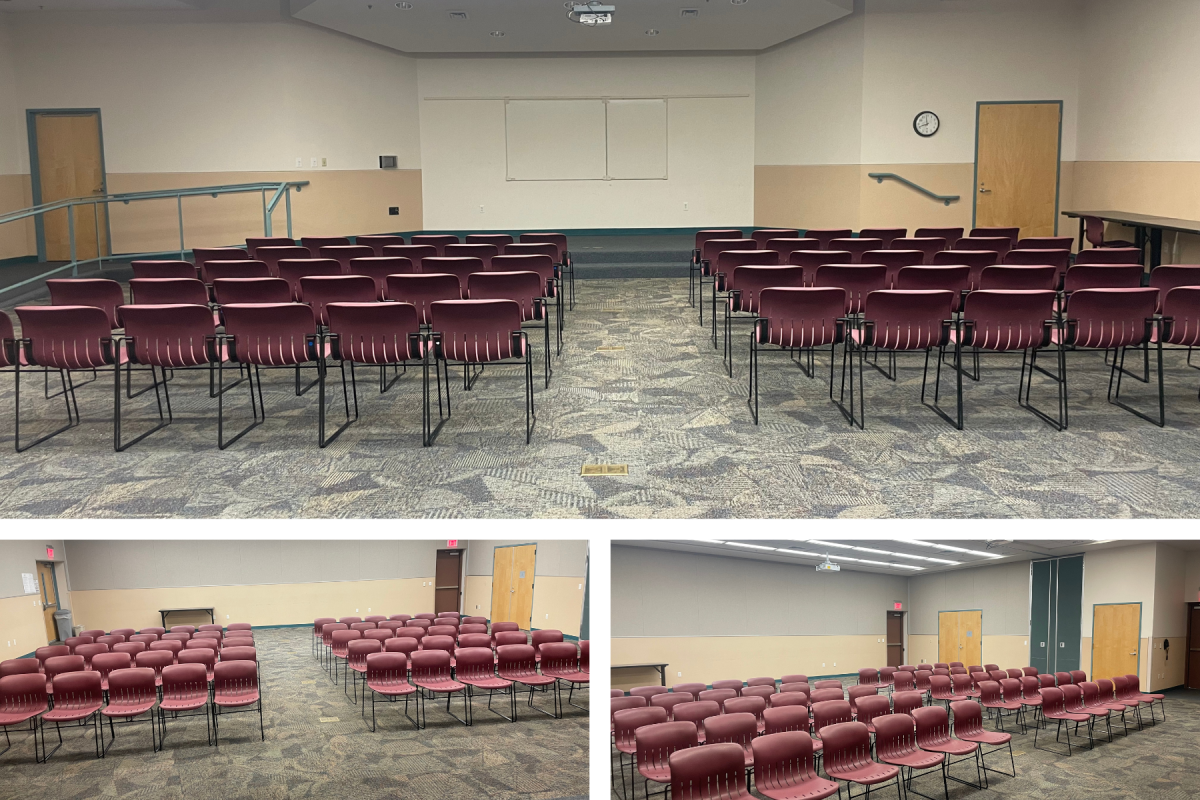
pixel 560 572
pixel 711 618
pixel 22 622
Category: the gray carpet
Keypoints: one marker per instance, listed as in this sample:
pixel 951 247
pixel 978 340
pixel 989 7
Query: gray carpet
pixel 317 746
pixel 664 406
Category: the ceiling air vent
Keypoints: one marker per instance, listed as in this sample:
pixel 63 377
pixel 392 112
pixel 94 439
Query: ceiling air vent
pixel 458 15
pixel 690 13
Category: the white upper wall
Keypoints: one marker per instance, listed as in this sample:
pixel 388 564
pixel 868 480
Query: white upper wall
pixel 11 130
pixel 199 97
pixel 1140 64
pixel 1120 575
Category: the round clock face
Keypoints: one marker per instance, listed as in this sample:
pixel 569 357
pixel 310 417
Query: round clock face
pixel 926 123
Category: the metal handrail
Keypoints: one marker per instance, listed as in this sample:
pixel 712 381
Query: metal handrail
pixel 283 190
pixel 945 198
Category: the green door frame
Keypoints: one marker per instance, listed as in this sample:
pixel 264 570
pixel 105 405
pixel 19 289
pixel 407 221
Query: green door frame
pixel 1092 662
pixel 1058 165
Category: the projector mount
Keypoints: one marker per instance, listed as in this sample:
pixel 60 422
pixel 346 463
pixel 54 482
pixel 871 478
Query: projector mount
pixel 591 13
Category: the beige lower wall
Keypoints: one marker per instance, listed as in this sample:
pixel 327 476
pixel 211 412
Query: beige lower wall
pixel 336 203
pixel 277 604
pixel 22 626
pixel 1010 652
pixel 1146 659
pixel 17 239
pixel 707 658
pixel 477 596
pixel 1167 669
pixel 557 601
pixel 1162 188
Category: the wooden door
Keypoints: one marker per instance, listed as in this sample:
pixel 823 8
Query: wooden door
pixel 1016 166
pixel 524 558
pixel 1116 628
pixel 70 164
pixel 1193 647
pixel 447 569
pixel 502 588
pixel 895 638
pixel 970 633
pixel 949 643
pixel 49 587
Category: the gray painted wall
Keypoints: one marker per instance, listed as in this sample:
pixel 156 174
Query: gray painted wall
pixel 17 556
pixel 1002 591
pixel 142 564
pixel 667 593
pixel 555 557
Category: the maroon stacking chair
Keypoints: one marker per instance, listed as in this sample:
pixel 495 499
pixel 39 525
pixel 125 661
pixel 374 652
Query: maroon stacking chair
pixel 344 253
pixel 562 259
pixel 621 702
pixel 60 339
pixel 894 260
pixel 691 688
pixel 968 686
pixel 243 268
pixel 951 235
pixel 763 235
pixel 1095 706
pixel 793 717
pixel 88 651
pixel 267 336
pixel 165 338
pixel 903 681
pixel 1116 319
pixel 857 281
pixel 155 660
pixel 788 699
pixel 235 690
pixel 1017 321
pixel 825 685
pixel 43 654
pixel 669 700
pixel 184 692
pixel 517 663
pixel 977 260
pixel 203 656
pixel 887 677
pixel 1011 234
pixel 527 290
pixel 927 246
pixel 744 286
pixel 478 332
pixel 854 692
pixel 887 235
pixel 315 243
pixel 1180 324
pixel 828 712
pixel 1059 259
pixel 126 632
pixel 825 236
pixel 251 290
pixel 727 262
pixel 560 661
pixel 255 242
pixel 108 639
pixel 1043 278
pixel 748 705
pixel 1124 694
pixel 868 707
pixel 1102 276
pixel 718 696
pixel 271 256
pixel 74 641
pixel 856 247
pixel 96 632
pixel 942 688
pixel 1094 234
pixel 1109 255
pixel 106 663
pixel 56 665
pixel 475 666
pixel 968 727
pixel 544 636
pixel 1014 673
pixel 645 691
pixel 402 644
pixel 710 253
pixel 469 627
pixel 203 255
pixel 461 267
pixel 905 702
pixel 547 249
pixel 905 321
pixel 1000 245
pixel 163 268
pixel 422 291
pixel 339 647
pixel 318 290
pixel 812 260
pixel 500 627
pixel 1073 703
pixel 786 246
pixel 1172 276
pixel 1054 708
pixel 729 683
pixel 765 692
pixel 441 630
pixel 1046 681
pixel 739 728
pixel 131 693
pixel 293 269
pixel 956 279
pixel 1143 698
pixel 419 622
pixel 213 627
pixel 431 672
pixel 544 265
pixel 101 293
pixel 951 671
pixel 133 648
pixel 896 745
pixel 695 267
pixel 991 698
pixel 715 772
pixel 497 239
pixel 78 698
pixel 387 676
pixel 933 735
pixel 1045 243
pixel 23 699
pixel 379 241
pixel 357 652
pixel 474 621
pixel 1030 698
pixel 655 743
pixel 696 712
pixel 437 241
pixel 484 252
pixel 1106 694
pixel 847 757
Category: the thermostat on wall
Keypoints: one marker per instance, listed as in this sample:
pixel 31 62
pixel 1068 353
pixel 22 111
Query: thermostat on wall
pixel 387 162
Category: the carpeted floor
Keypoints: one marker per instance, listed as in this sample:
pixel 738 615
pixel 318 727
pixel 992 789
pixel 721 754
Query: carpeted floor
pixel 1161 762
pixel 317 746
pixel 663 405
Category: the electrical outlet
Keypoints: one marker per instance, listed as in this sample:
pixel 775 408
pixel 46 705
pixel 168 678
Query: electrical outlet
pixel 547 616
pixel 685 206
pixel 581 586
pixel 226 616
pixel 356 611
pixel 481 209
pixel 394 211
pixel 477 606
pixel 299 161
pixel 822 663
pixel 368 610
pixel 678 674
pixel 324 162
pixel 313 161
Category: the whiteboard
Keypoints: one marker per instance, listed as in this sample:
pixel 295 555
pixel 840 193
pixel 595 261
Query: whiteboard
pixel 555 140
pixel 637 139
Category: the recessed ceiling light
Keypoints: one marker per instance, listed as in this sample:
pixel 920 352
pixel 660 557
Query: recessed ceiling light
pixel 940 546
pixel 404 5
pixel 652 32
pixel 738 2
pixel 497 34
pixel 460 15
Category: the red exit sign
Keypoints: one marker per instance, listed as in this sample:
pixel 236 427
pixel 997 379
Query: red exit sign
pixel 452 543
pixel 898 606
pixel 49 551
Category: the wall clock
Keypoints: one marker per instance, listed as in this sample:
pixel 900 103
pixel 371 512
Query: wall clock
pixel 926 124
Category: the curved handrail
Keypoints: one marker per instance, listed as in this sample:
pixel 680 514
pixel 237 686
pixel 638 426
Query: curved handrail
pixel 945 198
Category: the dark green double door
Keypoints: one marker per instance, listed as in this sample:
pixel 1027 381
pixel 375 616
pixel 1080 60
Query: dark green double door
pixel 1055 614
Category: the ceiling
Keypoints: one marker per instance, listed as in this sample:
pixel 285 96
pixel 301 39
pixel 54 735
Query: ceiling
pixel 541 26
pixel 918 558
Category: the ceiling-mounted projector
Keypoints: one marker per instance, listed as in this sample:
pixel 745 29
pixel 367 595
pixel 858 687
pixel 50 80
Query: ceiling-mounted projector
pixel 591 14
pixel 828 566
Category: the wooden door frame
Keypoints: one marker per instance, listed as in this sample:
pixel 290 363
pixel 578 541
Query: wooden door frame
pixel 1191 637
pixel 1138 603
pixel 1058 163
pixel 959 611
pixel 903 633
pixel 57 599
pixel 462 561
pixel 35 174
pixel 533 587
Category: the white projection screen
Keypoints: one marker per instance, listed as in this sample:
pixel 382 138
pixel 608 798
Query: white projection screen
pixel 586 139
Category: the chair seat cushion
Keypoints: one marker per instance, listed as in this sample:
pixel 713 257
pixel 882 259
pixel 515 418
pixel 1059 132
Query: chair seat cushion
pixel 392 689
pixel 441 685
pixel 536 680
pixel 811 789
pixel 866 774
pixel 951 747
pixel 70 714
pixel 986 737
pixel 1068 716
pixel 16 718
pixel 1008 706
pixel 658 774
pixel 575 676
pixel 237 701
pixel 131 710
pixel 488 683
pixel 918 760
pixel 183 704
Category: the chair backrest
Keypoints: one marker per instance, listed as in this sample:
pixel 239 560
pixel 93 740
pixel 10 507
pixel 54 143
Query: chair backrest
pixel 691 688
pixel 856 247
pixel 648 691
pixel 401 644
pixel 740 728
pixel 1009 319
pixel 997 674
pixel 853 693
pixel 782 699
pixel 252 290
pixel 547 249
pixel 414 253
pixel 764 235
pixel 695 712
pixel 624 702
pixel 1109 255
pixel 293 269
pixel 712 772
pixel 478 331
pixel 904 681
pixel 1011 689
pixel 886 235
pixel 510 637
pixel 951 235
pixel 271 256
pixel 868 707
pixel 716 233
pixel 63 663
pixel 162 291
pixel 379 241
pixel 1108 318
pixel 746 705
pixel 387 668
pixel 559 240
pixel 461 266
pixel 196 644
pixel 1060 259
pixel 812 260
pixel 540 263
pixel 344 253
pixel 729 683
pixel 523 288
pixel 786 246
pixel 895 736
pixel 378 268
pixel 826 235
pixel 728 260
pixel 824 695
pixel 163 268
pixel 319 290
pixel 1046 681
pixel 1045 243
pixel 436 642
pixel 247 653
pixel 801 316
pixel 1103 276
pixel 1181 313
pixel 1000 245
pixel 131 686
pixel 423 290
pixel 42 654
pixel 243 268
pixel 718 696
pixel 1012 234
pixel 830 712
pixel 357 652
pixel 790 717
pixel 943 685
pixel 670 700
pixel 712 248
pixel 484 252
pixel 1073 697
pixel 235 679
pixel 749 281
pixel 764 692
pixel 905 702
pixel 66 337
pixel 315 243
pixel 956 279
pixel 133 648
pixel 928 246
pixel 498 627
pixel 496 239
pixel 437 240
pixel 858 281
pixel 349 620
pixel 271 334
pixel 472 628
pixel 172 336
pixel 184 681
pixel 847 746
pixel 907 320
pixel 933 724
pixel 1021 277
pixel 989 692
pixel 977 260
pixel 155 660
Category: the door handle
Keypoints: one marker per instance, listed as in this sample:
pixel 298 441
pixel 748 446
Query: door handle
pixel 1133 654
pixel 984 191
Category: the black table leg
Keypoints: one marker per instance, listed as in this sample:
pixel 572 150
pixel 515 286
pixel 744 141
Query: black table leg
pixel 1155 247
pixel 662 674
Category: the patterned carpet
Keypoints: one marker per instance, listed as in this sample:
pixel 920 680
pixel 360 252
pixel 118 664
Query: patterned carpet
pixel 317 746
pixel 1160 762
pixel 664 406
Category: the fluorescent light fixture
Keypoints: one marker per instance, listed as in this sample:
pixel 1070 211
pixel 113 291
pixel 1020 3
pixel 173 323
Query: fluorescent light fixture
pixel 751 546
pixel 710 541
pixel 797 552
pixel 952 548
pixel 872 550
pixel 906 566
pixel 881 552
pixel 829 544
